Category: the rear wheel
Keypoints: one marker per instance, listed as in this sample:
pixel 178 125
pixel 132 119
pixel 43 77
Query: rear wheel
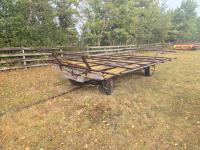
pixel 149 71
pixel 107 86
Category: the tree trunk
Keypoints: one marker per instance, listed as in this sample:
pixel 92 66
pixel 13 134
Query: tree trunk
pixel 30 15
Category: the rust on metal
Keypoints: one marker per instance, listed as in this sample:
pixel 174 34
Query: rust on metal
pixel 106 66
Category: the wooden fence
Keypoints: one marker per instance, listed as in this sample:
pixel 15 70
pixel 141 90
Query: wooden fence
pixel 21 57
pixel 142 47
pixel 109 49
pixel 122 48
pixel 156 46
pixel 197 46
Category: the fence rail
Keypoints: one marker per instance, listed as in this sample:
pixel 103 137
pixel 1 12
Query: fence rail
pixel 121 48
pixel 197 46
pixel 23 57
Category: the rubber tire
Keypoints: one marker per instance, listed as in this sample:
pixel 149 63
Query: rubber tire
pixel 148 71
pixel 107 86
pixel 73 82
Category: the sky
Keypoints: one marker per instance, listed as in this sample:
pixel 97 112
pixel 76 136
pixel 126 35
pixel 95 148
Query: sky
pixel 175 3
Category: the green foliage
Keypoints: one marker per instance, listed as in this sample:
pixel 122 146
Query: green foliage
pixel 185 21
pixel 96 22
pixel 198 29
pixel 34 23
pixel 66 12
pixel 123 22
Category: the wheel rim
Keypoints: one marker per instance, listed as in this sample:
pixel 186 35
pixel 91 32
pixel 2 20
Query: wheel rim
pixel 152 69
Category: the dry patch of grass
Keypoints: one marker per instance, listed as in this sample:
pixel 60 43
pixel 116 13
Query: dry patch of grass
pixel 158 112
pixel 23 86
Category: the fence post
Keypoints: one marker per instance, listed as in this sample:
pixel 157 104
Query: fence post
pixel 169 45
pixel 61 51
pixel 24 58
pixel 88 49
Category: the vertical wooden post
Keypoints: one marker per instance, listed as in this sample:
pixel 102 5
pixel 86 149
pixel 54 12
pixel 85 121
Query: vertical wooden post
pixel 169 46
pixel 88 49
pixel 118 50
pixel 24 58
pixel 61 51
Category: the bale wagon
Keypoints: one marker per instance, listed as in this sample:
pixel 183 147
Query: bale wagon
pixel 80 68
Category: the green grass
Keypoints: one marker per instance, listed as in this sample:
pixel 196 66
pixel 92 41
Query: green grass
pixel 158 112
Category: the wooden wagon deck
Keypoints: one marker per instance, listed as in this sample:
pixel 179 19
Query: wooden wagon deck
pixel 83 68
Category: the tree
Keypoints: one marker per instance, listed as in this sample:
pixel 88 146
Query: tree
pixel 184 21
pixel 95 22
pixel 151 25
pixel 27 23
pixel 8 22
pixel 67 18
pixel 122 24
pixel 95 18
pixel 198 29
pixel 37 23
pixel 108 22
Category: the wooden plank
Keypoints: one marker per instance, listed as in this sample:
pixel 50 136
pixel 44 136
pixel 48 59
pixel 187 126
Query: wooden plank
pixel 129 57
pixel 100 67
pixel 102 47
pixel 116 71
pixel 105 50
pixel 117 60
pixel 27 48
pixel 11 49
pixel 25 54
pixel 22 67
pixel 133 66
pixel 44 59
pixel 10 61
pixel 21 60
pixel 109 65
pixel 111 50
pixel 71 62
pixel 115 53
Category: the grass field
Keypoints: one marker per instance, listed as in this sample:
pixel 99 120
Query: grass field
pixel 158 112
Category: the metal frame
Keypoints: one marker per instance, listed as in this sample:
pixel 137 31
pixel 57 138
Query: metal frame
pixel 80 67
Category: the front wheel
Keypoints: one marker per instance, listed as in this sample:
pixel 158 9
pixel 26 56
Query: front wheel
pixel 107 86
pixel 149 71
